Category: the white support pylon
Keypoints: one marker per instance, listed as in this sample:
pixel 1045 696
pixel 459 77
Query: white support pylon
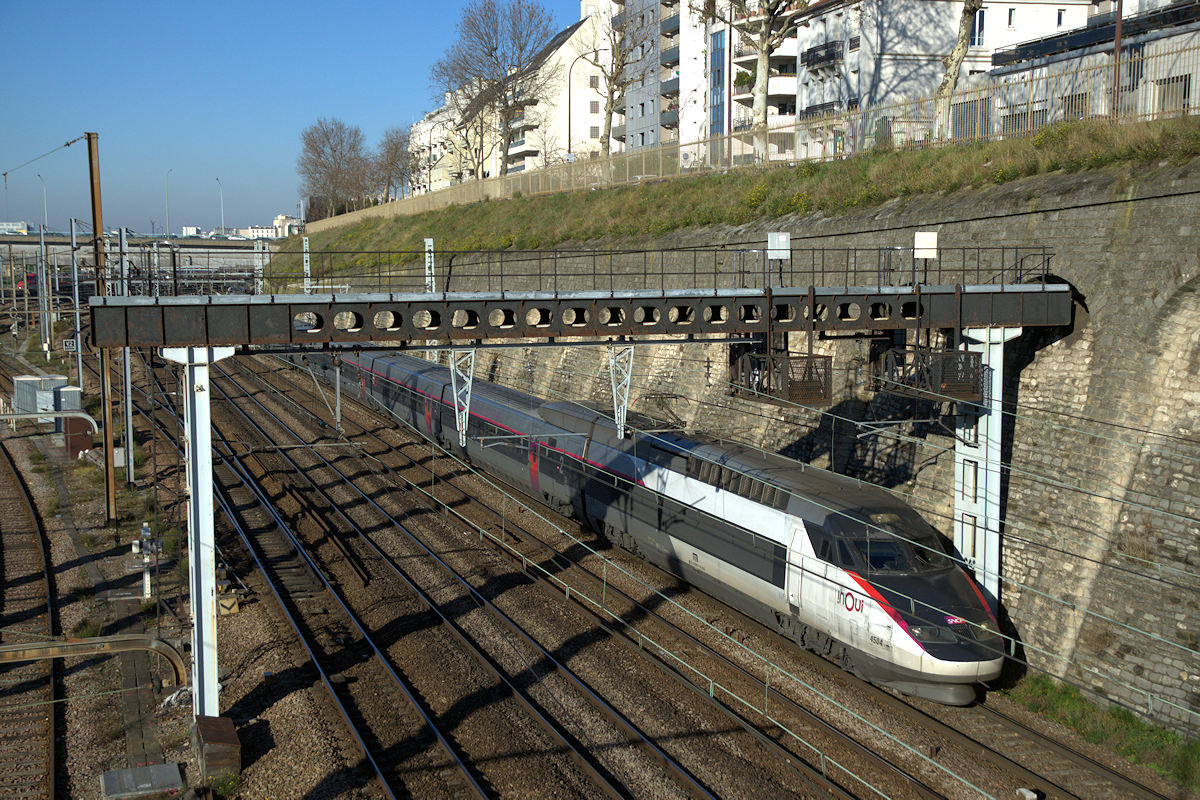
pixel 202 569
pixel 977 465
pixel 462 375
pixel 620 368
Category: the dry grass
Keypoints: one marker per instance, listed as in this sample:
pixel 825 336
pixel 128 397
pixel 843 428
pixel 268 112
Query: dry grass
pixel 751 195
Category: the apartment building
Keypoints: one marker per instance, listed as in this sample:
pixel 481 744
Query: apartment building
pixel 852 52
pixel 668 100
pixel 431 140
pixel 564 123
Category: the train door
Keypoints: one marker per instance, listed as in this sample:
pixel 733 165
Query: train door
pixel 795 567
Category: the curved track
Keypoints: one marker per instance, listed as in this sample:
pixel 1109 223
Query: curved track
pixel 27 690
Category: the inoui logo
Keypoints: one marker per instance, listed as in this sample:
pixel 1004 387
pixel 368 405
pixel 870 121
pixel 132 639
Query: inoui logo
pixel 850 601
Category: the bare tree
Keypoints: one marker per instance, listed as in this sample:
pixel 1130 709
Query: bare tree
pixel 492 67
pixel 332 162
pixel 394 162
pixel 550 148
pixel 953 63
pixel 610 47
pixel 470 127
pixel 763 25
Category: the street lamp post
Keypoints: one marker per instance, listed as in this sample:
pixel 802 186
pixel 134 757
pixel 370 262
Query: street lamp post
pixel 45 216
pixel 167 201
pixel 221 192
pixel 581 55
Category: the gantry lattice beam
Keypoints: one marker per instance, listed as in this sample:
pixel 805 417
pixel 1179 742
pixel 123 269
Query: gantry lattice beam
pixel 208 321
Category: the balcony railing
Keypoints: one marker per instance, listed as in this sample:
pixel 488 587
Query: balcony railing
pixel 823 55
pixel 618 132
pixel 669 26
pixel 669 87
pixel 669 119
pixel 821 109
pixel 669 56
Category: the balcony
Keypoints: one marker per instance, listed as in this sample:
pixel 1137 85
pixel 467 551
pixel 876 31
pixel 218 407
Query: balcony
pixel 519 148
pixel 618 132
pixel 669 26
pixel 745 122
pixel 669 119
pixel 823 56
pixel 522 122
pixel 669 88
pixel 779 87
pixel 669 57
pixel 823 109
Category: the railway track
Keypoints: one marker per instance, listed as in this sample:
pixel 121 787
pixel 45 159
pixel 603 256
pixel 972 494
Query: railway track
pixel 452 621
pixel 842 777
pixel 414 759
pixel 1054 769
pixel 989 740
pixel 28 717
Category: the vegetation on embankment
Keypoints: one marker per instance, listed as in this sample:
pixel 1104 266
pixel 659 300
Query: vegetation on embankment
pixel 753 195
pixel 1113 727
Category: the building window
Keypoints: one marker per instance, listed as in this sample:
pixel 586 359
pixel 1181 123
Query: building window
pixel 641 109
pixel 594 81
pixel 595 131
pixel 977 29
pixel 1012 19
pixel 594 107
pixel 1174 94
pixel 1062 12
pixel 716 84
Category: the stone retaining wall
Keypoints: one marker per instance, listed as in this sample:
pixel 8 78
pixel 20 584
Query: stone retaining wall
pixel 1101 556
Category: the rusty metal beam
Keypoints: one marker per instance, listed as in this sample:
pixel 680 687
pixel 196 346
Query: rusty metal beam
pixel 473 316
pixel 93 646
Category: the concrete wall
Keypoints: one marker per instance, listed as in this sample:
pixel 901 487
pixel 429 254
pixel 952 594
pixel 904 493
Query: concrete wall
pixel 1101 554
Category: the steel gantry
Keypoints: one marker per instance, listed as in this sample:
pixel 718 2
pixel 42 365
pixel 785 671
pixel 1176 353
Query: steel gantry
pixel 197 330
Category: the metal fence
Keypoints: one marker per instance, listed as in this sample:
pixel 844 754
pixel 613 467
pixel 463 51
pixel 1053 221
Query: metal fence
pixel 1156 79
pixel 715 268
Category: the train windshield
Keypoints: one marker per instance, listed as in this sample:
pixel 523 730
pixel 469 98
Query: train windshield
pixel 895 542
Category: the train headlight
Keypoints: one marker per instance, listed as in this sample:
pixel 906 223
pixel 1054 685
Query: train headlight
pixel 986 630
pixel 930 633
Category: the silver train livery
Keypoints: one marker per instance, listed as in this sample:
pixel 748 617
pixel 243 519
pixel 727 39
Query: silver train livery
pixel 841 567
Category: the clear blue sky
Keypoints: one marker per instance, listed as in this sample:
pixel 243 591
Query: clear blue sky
pixel 206 90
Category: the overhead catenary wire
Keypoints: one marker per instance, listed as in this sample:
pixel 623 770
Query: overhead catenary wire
pixel 942 449
pixel 699 620
pixel 1067 661
pixel 1028 646
pixel 1016 584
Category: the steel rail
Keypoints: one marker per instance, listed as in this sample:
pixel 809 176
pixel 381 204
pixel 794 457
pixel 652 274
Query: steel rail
pixel 25 499
pixel 565 591
pixel 786 756
pixel 688 782
pixel 224 500
pixel 1127 785
pixel 638 643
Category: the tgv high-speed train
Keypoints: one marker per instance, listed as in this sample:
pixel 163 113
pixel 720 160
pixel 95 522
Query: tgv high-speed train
pixel 841 567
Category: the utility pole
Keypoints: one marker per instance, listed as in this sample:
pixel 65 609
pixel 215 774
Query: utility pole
pixel 110 476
